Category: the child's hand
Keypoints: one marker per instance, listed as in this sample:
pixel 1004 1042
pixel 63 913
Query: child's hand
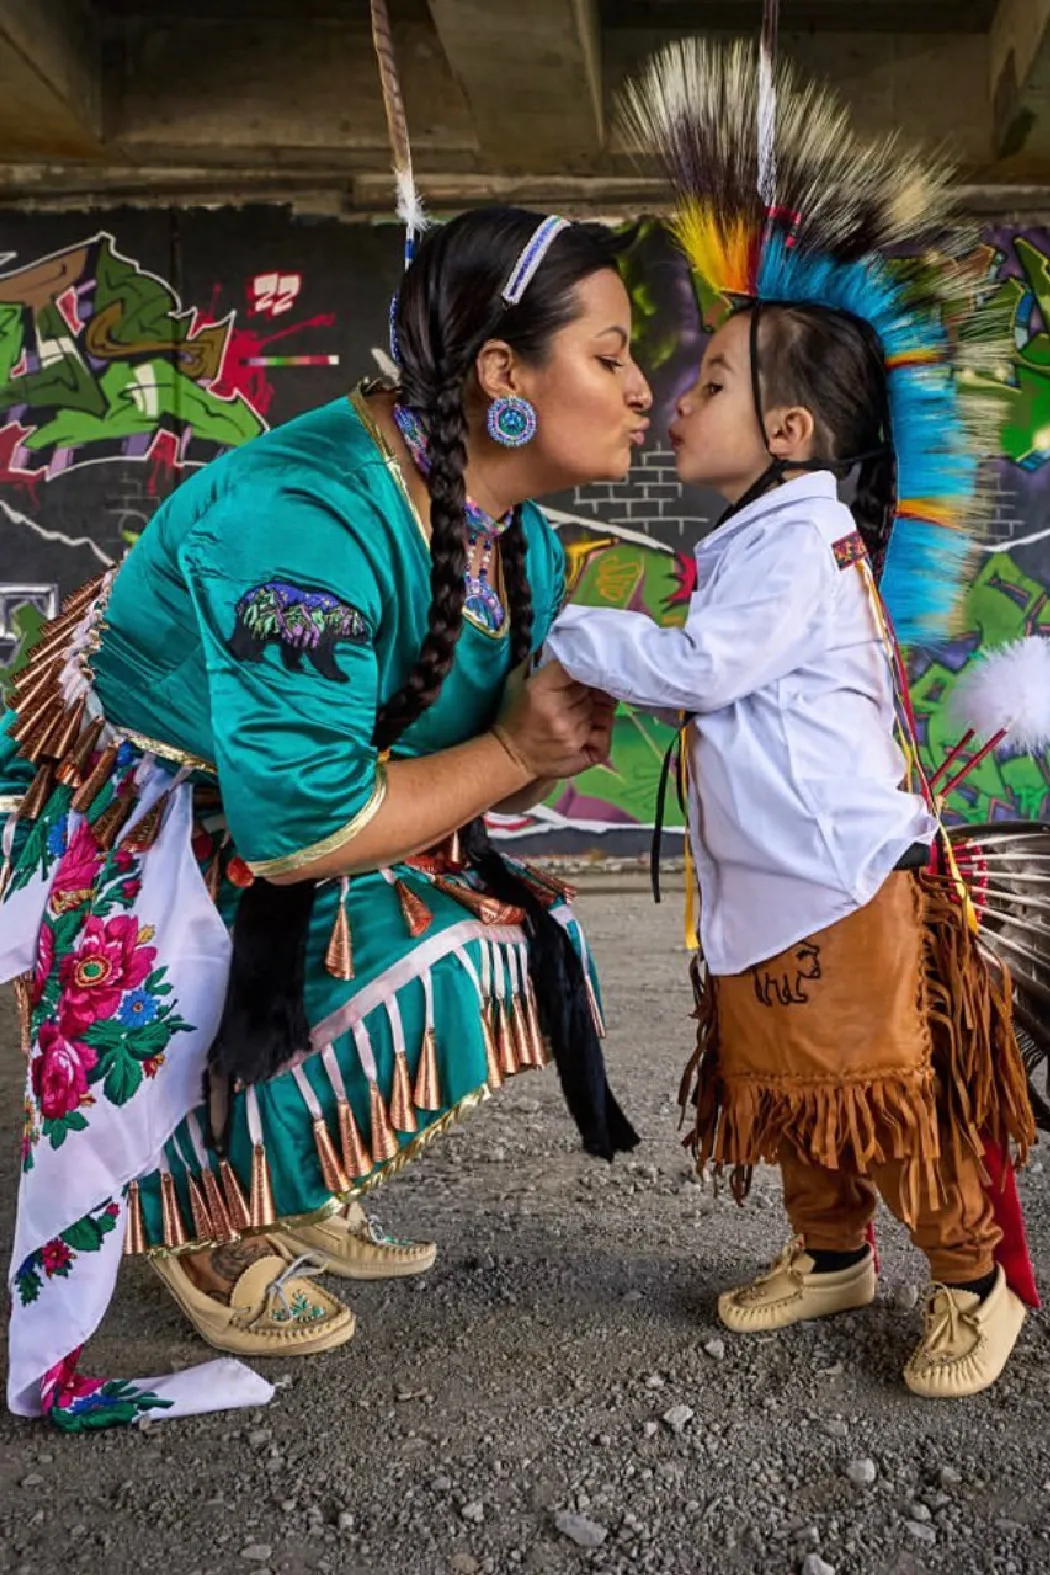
pixel 603 717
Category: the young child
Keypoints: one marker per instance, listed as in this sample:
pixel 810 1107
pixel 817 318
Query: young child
pixel 849 1028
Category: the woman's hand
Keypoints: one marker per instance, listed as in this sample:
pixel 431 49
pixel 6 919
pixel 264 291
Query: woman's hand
pixel 547 723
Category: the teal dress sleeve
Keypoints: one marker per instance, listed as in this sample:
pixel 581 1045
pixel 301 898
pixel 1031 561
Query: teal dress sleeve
pixel 285 589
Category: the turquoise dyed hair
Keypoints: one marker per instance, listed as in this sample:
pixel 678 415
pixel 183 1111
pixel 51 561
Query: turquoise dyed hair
pixel 925 571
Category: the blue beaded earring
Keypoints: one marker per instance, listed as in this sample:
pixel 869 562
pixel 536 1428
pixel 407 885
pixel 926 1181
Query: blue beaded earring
pixel 512 421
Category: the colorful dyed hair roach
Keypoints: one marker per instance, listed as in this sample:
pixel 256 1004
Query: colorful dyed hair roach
pixel 858 227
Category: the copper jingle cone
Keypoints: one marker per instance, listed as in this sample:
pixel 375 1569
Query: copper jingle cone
pixel 39 792
pixel 135 1234
pixel 34 732
pixel 92 786
pixel 46 706
pixel 418 917
pixel 508 1062
pixel 455 850
pixel 220 1218
pixel 520 1033
pixel 203 1230
pixel 427 1092
pixel 335 1177
pixel 236 1203
pixel 596 1011
pixel 36 680
pixel 66 773
pixel 402 1114
pixel 67 738
pixel 357 1161
pixel 213 878
pixel 107 828
pixel 488 909
pixel 88 744
pixel 54 641
pixel 495 1076
pixel 171 1214
pixel 383 1141
pixel 339 957
pixel 541 1052
pixel 22 985
pixel 77 600
pixel 263 1214
pixel 144 833
pixel 544 881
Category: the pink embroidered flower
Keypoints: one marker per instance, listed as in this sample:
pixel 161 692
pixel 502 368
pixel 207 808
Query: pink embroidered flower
pixel 131 889
pixel 61 1386
pixel 107 961
pixel 123 860
pixel 59 1072
pixel 153 1065
pixel 112 1210
pixel 55 1256
pixel 76 872
pixel 45 961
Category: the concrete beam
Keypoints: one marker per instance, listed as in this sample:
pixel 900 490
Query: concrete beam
pixel 532 75
pixel 195 90
pixel 50 79
pixel 1019 67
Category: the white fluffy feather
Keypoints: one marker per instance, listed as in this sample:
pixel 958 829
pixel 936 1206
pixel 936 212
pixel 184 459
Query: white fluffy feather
pixel 1008 689
pixel 410 208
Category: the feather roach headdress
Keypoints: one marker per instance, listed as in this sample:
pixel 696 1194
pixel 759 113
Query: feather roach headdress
pixel 777 199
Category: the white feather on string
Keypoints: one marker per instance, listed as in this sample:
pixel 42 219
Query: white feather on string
pixel 766 108
pixel 1007 691
pixel 410 208
pixel 767 129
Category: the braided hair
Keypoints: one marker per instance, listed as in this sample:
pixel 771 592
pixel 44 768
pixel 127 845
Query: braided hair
pixel 832 363
pixel 449 304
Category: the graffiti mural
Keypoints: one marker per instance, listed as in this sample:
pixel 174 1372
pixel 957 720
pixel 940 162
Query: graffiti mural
pixel 135 348
pixel 98 361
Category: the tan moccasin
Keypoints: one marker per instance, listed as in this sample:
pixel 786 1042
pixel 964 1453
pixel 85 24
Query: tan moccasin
pixel 966 1343
pixel 790 1293
pixel 351 1245
pixel 276 1308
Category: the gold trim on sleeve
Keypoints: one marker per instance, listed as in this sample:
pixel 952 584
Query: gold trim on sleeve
pixel 288 863
pixel 163 751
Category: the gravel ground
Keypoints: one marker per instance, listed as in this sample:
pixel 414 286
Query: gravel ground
pixel 556 1396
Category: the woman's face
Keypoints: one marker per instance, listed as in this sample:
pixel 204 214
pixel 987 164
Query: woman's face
pixel 589 395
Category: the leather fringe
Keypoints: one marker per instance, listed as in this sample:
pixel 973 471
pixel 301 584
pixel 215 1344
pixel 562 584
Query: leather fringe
pixel 973 1088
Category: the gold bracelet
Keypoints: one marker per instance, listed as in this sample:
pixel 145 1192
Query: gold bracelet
pixel 501 736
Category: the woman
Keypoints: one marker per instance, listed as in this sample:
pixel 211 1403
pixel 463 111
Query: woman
pixel 277 715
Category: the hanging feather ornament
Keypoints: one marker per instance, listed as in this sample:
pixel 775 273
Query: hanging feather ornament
pixel 1006 866
pixel 409 203
pixel 1002 702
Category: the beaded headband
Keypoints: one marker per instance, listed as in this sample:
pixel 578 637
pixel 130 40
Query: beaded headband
pixel 528 264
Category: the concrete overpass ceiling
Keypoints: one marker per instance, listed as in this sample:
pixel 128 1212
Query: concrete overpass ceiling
pixel 840 16
pixel 507 98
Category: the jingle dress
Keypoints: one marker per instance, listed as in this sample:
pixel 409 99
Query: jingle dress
pixel 238 658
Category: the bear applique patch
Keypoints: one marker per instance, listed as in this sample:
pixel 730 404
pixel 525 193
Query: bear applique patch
pixel 303 623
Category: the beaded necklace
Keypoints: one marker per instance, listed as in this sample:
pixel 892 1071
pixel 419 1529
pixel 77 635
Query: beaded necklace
pixel 482 602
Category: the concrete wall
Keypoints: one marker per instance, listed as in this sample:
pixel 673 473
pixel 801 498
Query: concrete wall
pixel 136 344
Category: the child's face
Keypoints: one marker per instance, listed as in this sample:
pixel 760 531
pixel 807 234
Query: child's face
pixel 715 433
